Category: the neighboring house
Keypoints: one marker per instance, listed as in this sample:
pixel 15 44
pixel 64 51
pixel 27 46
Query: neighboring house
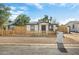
pixel 9 25
pixel 41 26
pixel 73 26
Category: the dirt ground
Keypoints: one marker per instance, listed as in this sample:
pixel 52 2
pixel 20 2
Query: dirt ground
pixel 73 37
pixel 35 40
pixel 49 47
pixel 28 40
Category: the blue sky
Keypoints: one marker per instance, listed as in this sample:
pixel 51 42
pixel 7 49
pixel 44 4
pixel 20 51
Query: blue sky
pixel 62 12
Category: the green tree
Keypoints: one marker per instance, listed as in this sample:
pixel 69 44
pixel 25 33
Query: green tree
pixel 50 19
pixel 22 20
pixel 4 14
pixel 46 19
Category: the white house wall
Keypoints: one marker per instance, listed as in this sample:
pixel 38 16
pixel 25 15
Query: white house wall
pixel 54 28
pixel 28 27
pixel 77 27
pixel 36 28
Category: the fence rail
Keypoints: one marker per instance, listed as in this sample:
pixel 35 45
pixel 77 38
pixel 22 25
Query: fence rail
pixel 26 33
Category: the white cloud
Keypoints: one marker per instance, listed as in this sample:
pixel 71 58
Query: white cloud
pixel 62 4
pixel 15 14
pixel 38 5
pixel 70 5
pixel 67 20
pixel 15 11
pixel 74 5
pixel 52 3
pixel 34 19
pixel 13 8
pixel 23 8
pixel 12 18
pixel 58 4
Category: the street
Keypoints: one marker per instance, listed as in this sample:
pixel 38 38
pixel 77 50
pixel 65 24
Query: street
pixel 36 50
pixel 37 46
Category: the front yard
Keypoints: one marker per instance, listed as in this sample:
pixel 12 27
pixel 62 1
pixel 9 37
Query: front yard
pixel 74 37
pixel 28 40
pixel 35 40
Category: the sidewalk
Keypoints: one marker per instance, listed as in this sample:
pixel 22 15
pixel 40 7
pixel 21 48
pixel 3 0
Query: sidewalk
pixel 36 41
pixel 37 50
pixel 36 46
pixel 40 45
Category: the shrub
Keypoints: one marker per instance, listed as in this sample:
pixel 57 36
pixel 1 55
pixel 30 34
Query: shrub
pixel 63 29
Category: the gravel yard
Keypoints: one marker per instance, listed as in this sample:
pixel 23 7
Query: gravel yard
pixel 28 40
pixel 35 40
pixel 73 37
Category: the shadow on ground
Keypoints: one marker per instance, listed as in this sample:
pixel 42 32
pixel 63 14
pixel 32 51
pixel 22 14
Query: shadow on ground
pixel 61 47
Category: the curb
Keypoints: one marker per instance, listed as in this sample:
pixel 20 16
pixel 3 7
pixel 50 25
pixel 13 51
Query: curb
pixel 40 45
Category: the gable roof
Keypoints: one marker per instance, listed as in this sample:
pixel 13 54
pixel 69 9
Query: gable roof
pixel 36 23
pixel 73 22
pixel 32 23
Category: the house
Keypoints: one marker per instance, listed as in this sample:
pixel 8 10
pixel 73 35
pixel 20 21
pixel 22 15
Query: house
pixel 9 25
pixel 41 26
pixel 73 26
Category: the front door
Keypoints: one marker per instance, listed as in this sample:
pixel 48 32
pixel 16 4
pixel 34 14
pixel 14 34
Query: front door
pixel 43 27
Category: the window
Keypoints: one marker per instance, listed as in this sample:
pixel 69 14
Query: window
pixel 73 26
pixel 51 27
pixel 32 27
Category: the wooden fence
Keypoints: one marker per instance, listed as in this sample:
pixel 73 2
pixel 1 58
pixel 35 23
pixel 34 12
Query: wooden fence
pixel 21 31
